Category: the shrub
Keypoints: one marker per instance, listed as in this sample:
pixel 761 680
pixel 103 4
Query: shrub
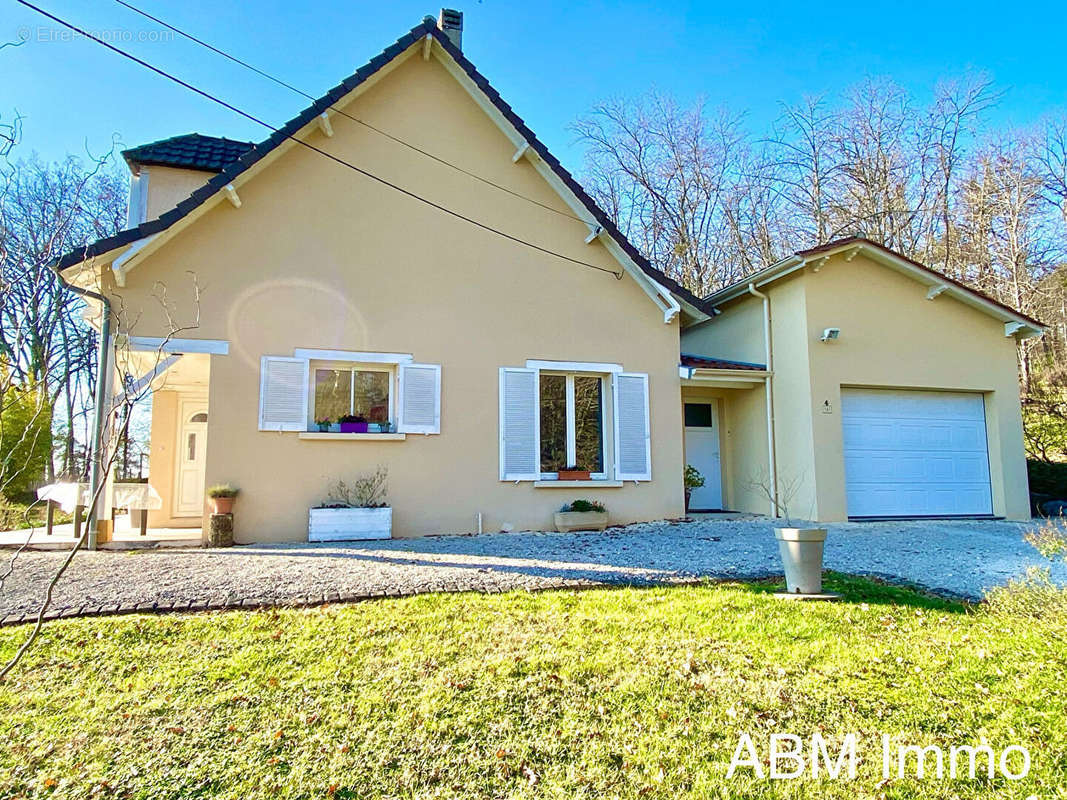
pixel 222 490
pixel 1048 480
pixel 25 440
pixel 366 491
pixel 1034 594
pixel 585 505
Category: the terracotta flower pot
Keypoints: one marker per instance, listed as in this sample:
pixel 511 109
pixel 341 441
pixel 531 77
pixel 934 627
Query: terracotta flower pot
pixel 573 475
pixel 223 505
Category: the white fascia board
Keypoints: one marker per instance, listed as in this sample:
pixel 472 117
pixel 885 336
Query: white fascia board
pixel 663 299
pixel 218 347
pixel 312 354
pixel 572 366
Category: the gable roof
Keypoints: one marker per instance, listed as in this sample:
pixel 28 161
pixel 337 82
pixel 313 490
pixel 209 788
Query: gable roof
pixel 428 28
pixel 188 151
pixel 931 277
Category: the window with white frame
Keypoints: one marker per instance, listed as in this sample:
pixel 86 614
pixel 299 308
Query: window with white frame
pixel 317 390
pixel 558 417
pixel 572 423
pixel 363 391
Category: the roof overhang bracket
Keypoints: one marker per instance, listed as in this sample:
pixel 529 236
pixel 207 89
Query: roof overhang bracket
pixel 1012 328
pixel 121 265
pixel 594 232
pixel 231 195
pixel 521 152
pixel 426 43
pixel 935 290
pixel 818 264
pixel 324 124
pixel 852 253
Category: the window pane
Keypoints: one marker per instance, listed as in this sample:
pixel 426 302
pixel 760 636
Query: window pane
pixel 698 415
pixel 333 393
pixel 588 423
pixel 553 423
pixel 371 399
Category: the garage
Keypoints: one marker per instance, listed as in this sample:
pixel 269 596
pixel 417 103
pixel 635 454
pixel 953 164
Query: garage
pixel 915 453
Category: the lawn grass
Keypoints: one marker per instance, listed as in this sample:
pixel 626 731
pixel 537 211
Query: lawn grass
pixel 631 693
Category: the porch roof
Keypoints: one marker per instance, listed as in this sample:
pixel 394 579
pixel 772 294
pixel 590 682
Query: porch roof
pixel 703 362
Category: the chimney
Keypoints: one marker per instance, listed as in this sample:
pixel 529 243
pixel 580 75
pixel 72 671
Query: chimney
pixel 450 22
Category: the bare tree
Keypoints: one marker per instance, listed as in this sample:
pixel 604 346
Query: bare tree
pixel 675 181
pixel 45 345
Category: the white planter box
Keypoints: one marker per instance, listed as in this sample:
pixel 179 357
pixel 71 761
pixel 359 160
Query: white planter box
pixel 347 524
pixel 567 521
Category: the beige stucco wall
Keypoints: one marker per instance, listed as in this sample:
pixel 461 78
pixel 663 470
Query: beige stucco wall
pixel 893 337
pixel 318 256
pixel 168 186
pixel 736 336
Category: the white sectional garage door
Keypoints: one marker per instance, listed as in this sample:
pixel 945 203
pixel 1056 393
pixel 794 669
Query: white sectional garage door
pixel 915 454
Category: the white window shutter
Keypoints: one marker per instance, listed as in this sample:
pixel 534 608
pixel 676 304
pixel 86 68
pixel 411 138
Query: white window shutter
pixel 283 394
pixel 633 443
pixel 520 422
pixel 418 407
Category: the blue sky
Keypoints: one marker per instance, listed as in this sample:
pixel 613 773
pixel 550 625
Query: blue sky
pixel 551 61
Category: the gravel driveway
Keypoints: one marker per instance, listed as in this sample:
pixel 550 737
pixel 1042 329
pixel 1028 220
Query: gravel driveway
pixel 963 558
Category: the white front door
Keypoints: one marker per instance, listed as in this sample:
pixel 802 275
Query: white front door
pixel 702 452
pixel 192 447
pixel 915 453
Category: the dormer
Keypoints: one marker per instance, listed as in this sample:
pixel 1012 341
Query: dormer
pixel 164 173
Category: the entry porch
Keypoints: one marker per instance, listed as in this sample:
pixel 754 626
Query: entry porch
pixel 725 434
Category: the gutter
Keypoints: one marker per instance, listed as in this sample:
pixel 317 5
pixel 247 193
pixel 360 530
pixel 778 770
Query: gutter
pixel 99 415
pixel 772 465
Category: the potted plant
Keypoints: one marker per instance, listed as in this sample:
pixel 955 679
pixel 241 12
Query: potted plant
pixel 222 496
pixel 582 515
pixel 800 546
pixel 353 423
pixel 324 424
pixel 572 473
pixel 351 511
pixel 692 480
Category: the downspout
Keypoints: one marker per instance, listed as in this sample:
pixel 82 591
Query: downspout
pixel 99 415
pixel 772 465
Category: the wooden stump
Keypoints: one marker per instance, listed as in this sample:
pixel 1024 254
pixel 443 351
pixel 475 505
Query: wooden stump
pixel 220 532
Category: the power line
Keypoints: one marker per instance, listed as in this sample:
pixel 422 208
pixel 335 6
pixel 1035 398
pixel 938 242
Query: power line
pixel 334 108
pixel 313 148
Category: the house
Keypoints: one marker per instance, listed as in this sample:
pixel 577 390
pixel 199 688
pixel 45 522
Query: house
pixel 405 250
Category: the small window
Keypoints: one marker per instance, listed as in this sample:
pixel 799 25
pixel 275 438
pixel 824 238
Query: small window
pixel 352 391
pixel 190 446
pixel 201 417
pixel 572 422
pixel 698 415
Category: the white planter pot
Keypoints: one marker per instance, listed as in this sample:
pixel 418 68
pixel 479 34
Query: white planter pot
pixel 581 521
pixel 347 524
pixel 801 551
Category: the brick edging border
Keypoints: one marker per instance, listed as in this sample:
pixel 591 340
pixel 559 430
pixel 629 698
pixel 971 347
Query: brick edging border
pixel 334 597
